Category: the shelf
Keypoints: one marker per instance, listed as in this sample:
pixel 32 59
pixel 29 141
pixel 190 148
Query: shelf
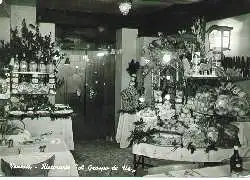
pixel 30 94
pixel 233 79
pixel 42 73
pixel 203 77
pixel 4 96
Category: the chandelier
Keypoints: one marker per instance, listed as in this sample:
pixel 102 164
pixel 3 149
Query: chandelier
pixel 125 7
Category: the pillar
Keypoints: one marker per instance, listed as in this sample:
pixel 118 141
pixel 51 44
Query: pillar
pixel 22 10
pixel 5 22
pixel 46 28
pixel 126 40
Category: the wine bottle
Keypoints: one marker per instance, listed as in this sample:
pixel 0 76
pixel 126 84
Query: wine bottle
pixel 248 67
pixel 238 64
pixel 243 67
pixel 232 63
pixel 223 62
pixel 236 162
pixel 227 62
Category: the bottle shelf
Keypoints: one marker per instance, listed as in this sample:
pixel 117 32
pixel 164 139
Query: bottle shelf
pixel 42 73
pixel 4 96
pixel 203 77
pixel 33 94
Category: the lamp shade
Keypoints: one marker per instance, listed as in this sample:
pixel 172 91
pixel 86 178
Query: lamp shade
pixel 67 61
pixel 219 38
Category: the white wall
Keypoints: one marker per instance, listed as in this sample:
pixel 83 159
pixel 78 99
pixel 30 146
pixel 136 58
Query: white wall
pixel 126 39
pixel 20 12
pixel 46 28
pixel 5 28
pixel 240 35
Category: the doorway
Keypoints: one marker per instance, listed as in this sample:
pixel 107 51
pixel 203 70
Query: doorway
pixel 89 88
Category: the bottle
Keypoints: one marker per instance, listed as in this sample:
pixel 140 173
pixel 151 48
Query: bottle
pixel 233 65
pixel 238 68
pixel 236 163
pixel 243 67
pixel 248 67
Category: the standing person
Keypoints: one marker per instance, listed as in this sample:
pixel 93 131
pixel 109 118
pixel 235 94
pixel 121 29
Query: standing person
pixel 129 106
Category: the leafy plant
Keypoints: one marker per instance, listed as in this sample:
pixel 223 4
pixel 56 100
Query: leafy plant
pixel 138 135
pixel 28 43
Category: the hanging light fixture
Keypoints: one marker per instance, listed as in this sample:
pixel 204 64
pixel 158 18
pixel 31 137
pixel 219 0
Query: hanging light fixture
pixel 125 7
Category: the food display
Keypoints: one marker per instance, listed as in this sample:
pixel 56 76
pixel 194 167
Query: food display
pixel 61 109
pixel 168 139
pixel 202 122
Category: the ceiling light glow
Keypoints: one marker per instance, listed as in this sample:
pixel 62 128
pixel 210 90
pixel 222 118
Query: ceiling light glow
pixel 125 7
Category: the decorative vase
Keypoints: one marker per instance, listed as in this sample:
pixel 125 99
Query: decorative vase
pixel 50 68
pixel 33 66
pixel 16 66
pixel 42 67
pixel 23 66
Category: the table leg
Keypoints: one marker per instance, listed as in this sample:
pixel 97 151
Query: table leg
pixel 142 161
pixel 135 164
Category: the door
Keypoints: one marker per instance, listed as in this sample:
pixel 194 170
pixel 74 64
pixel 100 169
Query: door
pixel 99 96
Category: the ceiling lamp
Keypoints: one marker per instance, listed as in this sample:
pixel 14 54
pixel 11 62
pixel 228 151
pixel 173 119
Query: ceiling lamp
pixel 125 7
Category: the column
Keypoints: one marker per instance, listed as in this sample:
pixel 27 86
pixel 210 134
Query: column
pixel 5 22
pixel 126 39
pixel 23 10
pixel 46 28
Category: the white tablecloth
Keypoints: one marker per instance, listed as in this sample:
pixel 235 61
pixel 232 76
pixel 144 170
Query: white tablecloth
pixel 61 159
pixel 244 132
pixel 208 172
pixel 182 154
pixel 126 126
pixel 60 128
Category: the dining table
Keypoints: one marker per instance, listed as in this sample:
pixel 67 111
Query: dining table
pixel 31 151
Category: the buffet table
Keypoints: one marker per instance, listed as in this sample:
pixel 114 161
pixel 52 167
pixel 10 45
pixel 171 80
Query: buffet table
pixel 208 172
pixel 126 126
pixel 60 128
pixel 182 154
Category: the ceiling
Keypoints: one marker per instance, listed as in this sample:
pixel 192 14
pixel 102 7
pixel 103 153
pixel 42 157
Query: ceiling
pixel 98 20
pixel 139 7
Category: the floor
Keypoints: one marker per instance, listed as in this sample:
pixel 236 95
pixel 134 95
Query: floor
pixel 101 153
